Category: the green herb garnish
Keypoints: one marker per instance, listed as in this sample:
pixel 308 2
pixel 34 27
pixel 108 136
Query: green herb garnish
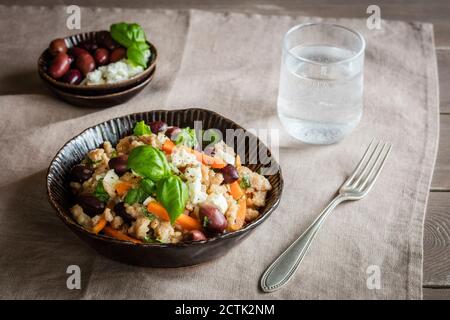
pixel 141 128
pixel 134 196
pixel 172 193
pixel 100 192
pixel 148 186
pixel 205 222
pixel 245 182
pixel 150 239
pixel 147 214
pixel 149 162
pixel 91 162
pixel 132 37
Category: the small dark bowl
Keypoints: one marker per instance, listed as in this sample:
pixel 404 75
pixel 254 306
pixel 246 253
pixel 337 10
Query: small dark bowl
pixel 100 89
pixel 153 255
pixel 104 100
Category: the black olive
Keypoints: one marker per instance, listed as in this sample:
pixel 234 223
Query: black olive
pixel 119 164
pixel 229 173
pixel 172 133
pixel 121 211
pixel 158 126
pixel 212 218
pixel 90 204
pixel 80 173
pixel 194 235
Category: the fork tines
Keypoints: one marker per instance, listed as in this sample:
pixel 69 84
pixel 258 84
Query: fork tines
pixel 369 167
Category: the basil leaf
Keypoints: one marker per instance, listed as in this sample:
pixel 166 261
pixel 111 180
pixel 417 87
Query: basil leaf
pixel 141 128
pixel 119 32
pixel 138 195
pixel 133 196
pixel 138 54
pixel 100 192
pixel 136 32
pixel 149 162
pixel 172 193
pixel 127 34
pixel 148 186
pixel 187 137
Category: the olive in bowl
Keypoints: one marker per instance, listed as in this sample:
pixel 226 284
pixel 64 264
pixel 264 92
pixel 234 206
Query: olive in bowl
pixel 59 75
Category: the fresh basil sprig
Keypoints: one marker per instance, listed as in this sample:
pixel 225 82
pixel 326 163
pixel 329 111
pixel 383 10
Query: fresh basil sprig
pixel 132 37
pixel 172 193
pixel 149 162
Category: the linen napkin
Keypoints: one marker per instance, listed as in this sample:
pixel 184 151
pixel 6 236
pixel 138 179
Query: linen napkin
pixel 228 63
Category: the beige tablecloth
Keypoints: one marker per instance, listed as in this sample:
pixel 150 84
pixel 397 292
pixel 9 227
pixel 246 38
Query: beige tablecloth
pixel 228 63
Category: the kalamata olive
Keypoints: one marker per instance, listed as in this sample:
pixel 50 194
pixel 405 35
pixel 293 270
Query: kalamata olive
pixel 157 126
pixel 119 164
pixel 73 76
pixel 121 211
pixel 212 218
pixel 85 63
pixel 117 54
pixel 229 173
pixel 104 39
pixel 172 132
pixel 60 65
pixel 101 56
pixel 77 51
pixel 90 204
pixel 194 235
pixel 57 46
pixel 80 173
pixel 90 46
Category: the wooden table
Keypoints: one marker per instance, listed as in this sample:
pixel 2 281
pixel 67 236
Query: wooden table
pixel 436 280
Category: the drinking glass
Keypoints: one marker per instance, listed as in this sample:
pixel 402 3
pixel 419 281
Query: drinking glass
pixel 320 97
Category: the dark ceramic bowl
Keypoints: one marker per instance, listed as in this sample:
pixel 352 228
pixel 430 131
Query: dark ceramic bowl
pixel 152 255
pixel 100 89
pixel 104 100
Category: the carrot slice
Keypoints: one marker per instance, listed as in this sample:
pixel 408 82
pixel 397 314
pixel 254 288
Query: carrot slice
pixel 185 221
pixel 215 163
pixel 240 217
pixel 188 223
pixel 99 226
pixel 123 187
pixel 109 231
pixel 157 209
pixel 236 190
pixel 168 146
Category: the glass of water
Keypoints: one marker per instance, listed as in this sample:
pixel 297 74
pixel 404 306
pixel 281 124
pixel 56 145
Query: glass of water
pixel 320 98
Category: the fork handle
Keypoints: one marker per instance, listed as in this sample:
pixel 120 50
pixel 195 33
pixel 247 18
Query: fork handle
pixel 282 269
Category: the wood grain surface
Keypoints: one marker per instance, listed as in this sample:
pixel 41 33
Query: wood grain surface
pixel 437 223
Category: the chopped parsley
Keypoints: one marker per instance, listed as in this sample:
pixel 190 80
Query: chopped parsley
pixel 100 192
pixel 245 182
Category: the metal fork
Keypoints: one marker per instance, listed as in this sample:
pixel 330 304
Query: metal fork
pixel 356 187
